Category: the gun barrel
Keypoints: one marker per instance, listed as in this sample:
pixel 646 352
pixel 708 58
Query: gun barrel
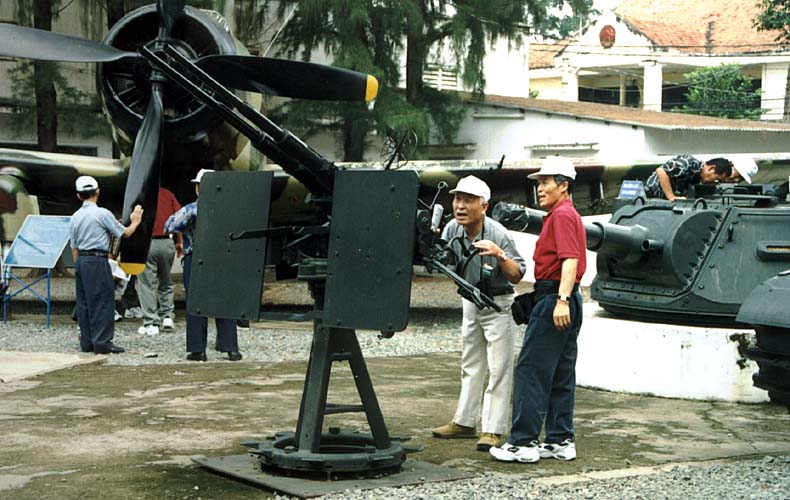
pixel 518 217
pixel 601 236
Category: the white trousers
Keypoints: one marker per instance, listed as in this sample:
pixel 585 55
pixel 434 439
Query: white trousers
pixel 488 338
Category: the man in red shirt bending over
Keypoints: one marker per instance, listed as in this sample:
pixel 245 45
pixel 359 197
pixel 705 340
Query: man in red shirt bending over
pixel 545 374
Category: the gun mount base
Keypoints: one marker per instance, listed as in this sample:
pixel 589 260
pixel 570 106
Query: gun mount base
pixel 339 451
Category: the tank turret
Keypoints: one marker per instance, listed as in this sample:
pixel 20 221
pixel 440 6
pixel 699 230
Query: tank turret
pixel 691 261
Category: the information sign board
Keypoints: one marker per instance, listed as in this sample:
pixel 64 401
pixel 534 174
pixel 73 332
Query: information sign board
pixel 631 189
pixel 39 242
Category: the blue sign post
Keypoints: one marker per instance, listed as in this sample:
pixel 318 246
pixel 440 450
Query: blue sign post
pixel 38 244
pixel 631 189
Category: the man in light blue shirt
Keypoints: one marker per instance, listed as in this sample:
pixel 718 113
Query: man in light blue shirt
pixel 90 231
pixel 184 221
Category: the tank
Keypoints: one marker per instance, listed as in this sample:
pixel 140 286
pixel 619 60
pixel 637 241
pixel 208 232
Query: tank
pixel 689 261
pixel 766 309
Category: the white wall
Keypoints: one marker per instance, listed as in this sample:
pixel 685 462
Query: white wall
pixel 515 132
pixel 525 244
pixel 774 81
pixel 664 360
pixel 506 69
pixel 714 141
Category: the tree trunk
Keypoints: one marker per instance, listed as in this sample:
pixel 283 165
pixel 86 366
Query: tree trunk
pixel 354 129
pixel 43 73
pixel 416 52
pixel 115 11
pixel 786 114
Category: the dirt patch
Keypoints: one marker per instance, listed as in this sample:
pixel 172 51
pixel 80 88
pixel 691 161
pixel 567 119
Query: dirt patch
pixel 97 431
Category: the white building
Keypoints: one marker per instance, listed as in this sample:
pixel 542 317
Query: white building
pixel 524 129
pixel 638 54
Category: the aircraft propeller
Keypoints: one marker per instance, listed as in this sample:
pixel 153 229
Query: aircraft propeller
pixel 264 75
pixel 142 185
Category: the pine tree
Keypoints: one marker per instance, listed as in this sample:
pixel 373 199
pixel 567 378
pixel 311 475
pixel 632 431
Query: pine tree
pixel 371 36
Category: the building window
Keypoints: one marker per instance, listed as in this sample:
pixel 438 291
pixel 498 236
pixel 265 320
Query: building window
pixel 441 77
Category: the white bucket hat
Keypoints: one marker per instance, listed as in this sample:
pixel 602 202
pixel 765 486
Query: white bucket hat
pixel 86 183
pixel 474 186
pixel 555 165
pixel 200 175
pixel 745 166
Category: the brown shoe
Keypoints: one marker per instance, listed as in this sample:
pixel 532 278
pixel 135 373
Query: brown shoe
pixel 488 440
pixel 453 430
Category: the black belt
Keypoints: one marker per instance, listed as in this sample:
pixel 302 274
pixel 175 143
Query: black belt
pixel 165 237
pixel 500 290
pixel 544 288
pixel 92 253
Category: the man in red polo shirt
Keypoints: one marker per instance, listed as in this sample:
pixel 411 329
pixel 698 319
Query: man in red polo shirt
pixel 154 285
pixel 545 374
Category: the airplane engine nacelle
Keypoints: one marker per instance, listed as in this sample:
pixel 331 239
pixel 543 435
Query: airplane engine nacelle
pixel 124 85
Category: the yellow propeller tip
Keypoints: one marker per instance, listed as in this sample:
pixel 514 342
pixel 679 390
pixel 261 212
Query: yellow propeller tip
pixel 132 267
pixel 371 88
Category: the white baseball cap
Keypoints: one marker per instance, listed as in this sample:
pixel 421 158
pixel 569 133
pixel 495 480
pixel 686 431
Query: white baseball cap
pixel 474 186
pixel 745 166
pixel 555 165
pixel 200 175
pixel 86 183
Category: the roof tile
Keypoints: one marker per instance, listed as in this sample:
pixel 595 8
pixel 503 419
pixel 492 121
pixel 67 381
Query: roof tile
pixel 709 26
pixel 635 116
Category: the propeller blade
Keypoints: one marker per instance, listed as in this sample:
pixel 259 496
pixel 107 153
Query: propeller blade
pixel 286 78
pixel 31 43
pixel 168 11
pixel 142 185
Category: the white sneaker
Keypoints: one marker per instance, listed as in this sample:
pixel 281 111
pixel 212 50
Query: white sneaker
pixel 512 453
pixel 117 316
pixel 148 330
pixel 133 313
pixel 167 324
pixel 565 450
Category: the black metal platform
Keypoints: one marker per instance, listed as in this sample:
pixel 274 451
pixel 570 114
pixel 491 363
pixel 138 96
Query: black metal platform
pixel 248 468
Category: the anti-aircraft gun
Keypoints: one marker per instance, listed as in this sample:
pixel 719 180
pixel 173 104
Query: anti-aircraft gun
pixel 356 253
pixel 693 260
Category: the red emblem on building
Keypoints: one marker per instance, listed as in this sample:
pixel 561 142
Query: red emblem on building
pixel 607 36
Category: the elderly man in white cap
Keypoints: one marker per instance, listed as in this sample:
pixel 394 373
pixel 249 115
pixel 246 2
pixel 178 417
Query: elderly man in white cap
pixel 488 336
pixel 545 375
pixel 90 230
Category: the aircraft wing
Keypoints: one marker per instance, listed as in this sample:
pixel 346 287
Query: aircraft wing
pixel 50 177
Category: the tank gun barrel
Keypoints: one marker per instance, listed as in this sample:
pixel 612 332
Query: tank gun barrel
pixel 601 236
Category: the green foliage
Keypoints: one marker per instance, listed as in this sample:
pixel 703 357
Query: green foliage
pixel 722 91
pixel 373 36
pixel 79 112
pixel 774 15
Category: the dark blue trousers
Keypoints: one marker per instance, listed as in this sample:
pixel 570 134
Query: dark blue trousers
pixel 544 385
pixel 95 303
pixel 197 326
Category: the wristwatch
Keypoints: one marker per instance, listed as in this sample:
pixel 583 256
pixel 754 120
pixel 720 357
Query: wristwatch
pixel 502 257
pixel 563 298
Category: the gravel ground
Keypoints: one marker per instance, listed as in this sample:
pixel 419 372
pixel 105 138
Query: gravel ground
pixel 434 325
pixel 428 331
pixel 764 478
